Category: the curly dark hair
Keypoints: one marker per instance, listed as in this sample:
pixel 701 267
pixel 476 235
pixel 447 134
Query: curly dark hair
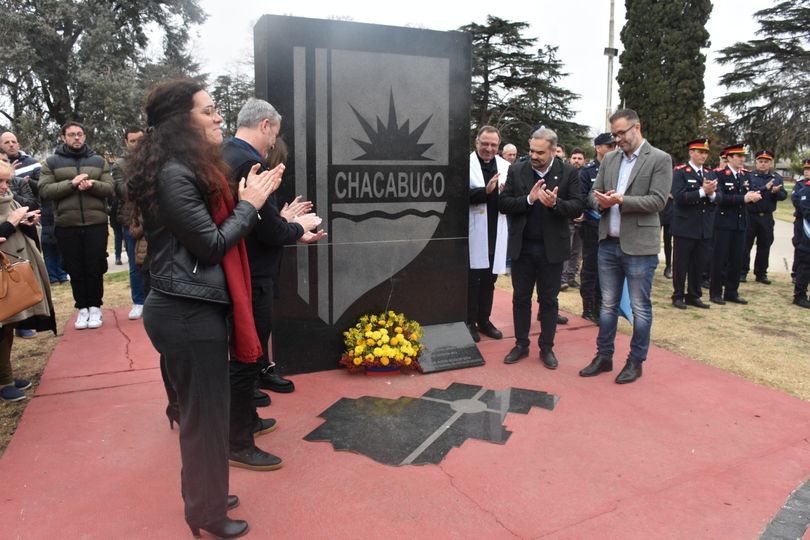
pixel 170 133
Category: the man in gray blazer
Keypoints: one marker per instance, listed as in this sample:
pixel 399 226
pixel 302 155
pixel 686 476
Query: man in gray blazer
pixel 630 190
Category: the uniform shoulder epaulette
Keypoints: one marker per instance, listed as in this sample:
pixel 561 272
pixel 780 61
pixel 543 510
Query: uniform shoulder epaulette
pixel 706 169
pixel 718 169
pixel 680 167
pixel 744 170
pixel 592 163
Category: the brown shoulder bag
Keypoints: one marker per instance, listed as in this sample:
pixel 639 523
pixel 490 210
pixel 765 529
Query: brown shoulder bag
pixel 19 289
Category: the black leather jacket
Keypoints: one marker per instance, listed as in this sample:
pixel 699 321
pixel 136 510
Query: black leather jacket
pixel 185 246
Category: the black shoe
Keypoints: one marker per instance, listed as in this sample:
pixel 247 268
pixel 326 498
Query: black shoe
pixel 270 380
pixel 255 459
pixel 489 330
pixel 705 284
pixel 629 373
pixel 561 319
pixel 802 302
pixel 260 399
pixel 224 528
pixel 744 278
pixel 717 300
pixel 599 364
pixel 573 283
pixel 678 303
pixel 173 413
pixel 233 502
pixel 735 300
pixel 264 425
pixel 517 354
pixel 763 279
pixel 697 302
pixel 564 286
pixel 668 272
pixel 549 359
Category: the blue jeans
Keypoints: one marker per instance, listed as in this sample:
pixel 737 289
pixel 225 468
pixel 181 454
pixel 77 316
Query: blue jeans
pixel 53 262
pixel 135 278
pixel 614 267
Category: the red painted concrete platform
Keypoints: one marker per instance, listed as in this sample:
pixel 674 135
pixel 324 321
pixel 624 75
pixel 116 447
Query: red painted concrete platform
pixel 686 452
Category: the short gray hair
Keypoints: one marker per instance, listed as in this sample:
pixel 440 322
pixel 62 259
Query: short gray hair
pixel 547 135
pixel 254 111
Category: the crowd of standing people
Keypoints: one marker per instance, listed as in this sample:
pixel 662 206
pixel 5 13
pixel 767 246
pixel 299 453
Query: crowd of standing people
pixel 616 210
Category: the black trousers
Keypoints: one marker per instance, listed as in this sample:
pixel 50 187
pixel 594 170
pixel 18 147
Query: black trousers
pixel 802 274
pixel 84 252
pixel 243 375
pixel 689 260
pixel 480 294
pixel 760 229
pixel 726 261
pixel 667 244
pixel 589 275
pixel 533 267
pixel 192 336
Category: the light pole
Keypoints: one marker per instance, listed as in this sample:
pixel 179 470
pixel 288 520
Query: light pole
pixel 610 52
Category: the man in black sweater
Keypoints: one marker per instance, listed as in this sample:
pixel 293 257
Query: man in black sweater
pixel 258 124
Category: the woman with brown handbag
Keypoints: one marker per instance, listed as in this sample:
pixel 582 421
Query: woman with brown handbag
pixel 17 227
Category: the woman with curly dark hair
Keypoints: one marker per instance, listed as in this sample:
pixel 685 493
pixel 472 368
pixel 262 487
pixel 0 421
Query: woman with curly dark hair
pixel 198 312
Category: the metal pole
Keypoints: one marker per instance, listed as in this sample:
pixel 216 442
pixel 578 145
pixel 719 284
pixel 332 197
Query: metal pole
pixel 610 52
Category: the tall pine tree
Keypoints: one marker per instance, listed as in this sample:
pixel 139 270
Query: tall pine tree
pixel 515 86
pixel 662 69
pixel 769 102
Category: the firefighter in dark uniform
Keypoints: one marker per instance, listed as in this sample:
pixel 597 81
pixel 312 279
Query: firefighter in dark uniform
pixel 801 237
pixel 588 275
pixel 729 227
pixel 760 215
pixel 694 192
pixel 707 265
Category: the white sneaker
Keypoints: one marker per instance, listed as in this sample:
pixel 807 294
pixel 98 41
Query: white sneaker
pixel 94 320
pixel 136 312
pixel 81 319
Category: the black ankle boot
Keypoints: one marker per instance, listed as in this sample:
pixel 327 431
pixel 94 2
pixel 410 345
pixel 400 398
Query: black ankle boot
pixel 224 528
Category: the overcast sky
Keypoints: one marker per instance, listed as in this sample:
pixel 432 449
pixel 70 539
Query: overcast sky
pixel 578 27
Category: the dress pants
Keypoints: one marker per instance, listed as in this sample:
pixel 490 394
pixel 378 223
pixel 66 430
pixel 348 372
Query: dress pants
pixel 530 268
pixel 802 274
pixel 84 251
pixel 192 336
pixel 589 276
pixel 243 374
pixel 480 293
pixel 667 230
pixel 571 266
pixel 726 261
pixel 689 260
pixel 760 229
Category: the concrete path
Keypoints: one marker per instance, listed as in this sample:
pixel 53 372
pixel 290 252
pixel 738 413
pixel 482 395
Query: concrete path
pixel 687 452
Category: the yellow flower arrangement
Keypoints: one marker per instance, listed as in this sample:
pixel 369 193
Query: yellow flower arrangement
pixel 384 340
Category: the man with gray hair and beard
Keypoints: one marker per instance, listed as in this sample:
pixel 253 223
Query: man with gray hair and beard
pixel 258 125
pixel 540 196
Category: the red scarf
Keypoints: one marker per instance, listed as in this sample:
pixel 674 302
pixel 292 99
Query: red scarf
pixel 245 341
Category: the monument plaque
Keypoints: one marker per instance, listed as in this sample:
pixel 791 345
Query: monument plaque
pixel 377 122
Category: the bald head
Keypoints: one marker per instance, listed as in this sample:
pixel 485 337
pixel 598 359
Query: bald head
pixel 9 143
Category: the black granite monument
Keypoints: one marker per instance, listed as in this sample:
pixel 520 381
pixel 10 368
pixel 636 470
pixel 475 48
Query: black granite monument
pixel 377 123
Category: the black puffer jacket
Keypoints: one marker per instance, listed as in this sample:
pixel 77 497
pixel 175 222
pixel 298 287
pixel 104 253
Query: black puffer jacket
pixel 185 246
